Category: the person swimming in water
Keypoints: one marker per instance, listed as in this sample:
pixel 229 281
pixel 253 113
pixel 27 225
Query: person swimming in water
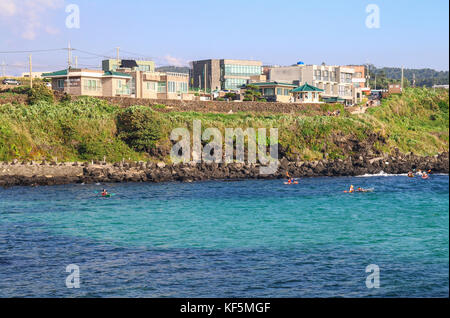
pixel 410 174
pixel 290 179
pixel 104 192
pixel 352 189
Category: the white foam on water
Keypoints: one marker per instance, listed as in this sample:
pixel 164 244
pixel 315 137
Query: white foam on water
pixel 382 174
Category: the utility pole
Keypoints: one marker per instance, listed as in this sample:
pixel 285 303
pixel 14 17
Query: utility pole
pixel 76 61
pixel 69 61
pixel 3 69
pixel 414 79
pixel 31 70
pixel 402 80
pixel 368 75
pixel 118 55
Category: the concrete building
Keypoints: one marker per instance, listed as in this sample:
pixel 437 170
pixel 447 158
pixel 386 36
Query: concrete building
pixel 275 91
pixel 90 82
pixel 123 82
pixel 223 74
pixel 335 81
pixel 159 85
pixel 140 65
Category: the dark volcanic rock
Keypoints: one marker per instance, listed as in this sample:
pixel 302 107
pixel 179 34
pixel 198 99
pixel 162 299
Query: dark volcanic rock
pixel 189 172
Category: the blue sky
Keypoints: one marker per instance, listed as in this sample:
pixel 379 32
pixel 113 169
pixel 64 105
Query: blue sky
pixel 412 33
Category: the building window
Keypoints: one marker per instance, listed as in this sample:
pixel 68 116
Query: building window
pixel 161 87
pixel 151 86
pixel 317 75
pixel 241 70
pixel 91 85
pixel 171 87
pixel 333 76
pixel 144 68
pixel 234 83
pixel 182 87
pixel 279 91
pixel 61 83
pixel 286 91
pixel 269 91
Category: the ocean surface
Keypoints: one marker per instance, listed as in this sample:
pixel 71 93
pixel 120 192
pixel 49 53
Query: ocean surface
pixel 253 238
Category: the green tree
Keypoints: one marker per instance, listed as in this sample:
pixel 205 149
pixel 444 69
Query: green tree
pixel 140 127
pixel 252 93
pixel 230 96
pixel 40 93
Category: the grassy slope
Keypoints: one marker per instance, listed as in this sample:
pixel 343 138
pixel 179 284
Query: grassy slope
pixel 87 128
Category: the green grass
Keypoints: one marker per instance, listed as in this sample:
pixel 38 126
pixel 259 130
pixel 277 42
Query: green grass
pixel 89 128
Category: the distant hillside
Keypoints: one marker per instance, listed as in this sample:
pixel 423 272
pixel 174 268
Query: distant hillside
pixel 174 69
pixel 424 76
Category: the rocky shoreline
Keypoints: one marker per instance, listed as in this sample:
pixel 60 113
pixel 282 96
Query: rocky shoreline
pixel 52 173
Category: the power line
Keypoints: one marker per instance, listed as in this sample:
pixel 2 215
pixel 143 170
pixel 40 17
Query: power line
pixel 91 53
pixel 31 51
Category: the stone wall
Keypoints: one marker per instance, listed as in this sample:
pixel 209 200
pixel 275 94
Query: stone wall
pixel 214 106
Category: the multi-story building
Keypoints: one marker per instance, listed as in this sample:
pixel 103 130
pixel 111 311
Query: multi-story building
pixel 335 81
pixel 140 65
pixel 76 81
pixel 158 85
pixel 223 74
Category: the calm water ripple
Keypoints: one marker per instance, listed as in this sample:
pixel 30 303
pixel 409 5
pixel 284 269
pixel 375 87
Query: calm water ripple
pixel 228 239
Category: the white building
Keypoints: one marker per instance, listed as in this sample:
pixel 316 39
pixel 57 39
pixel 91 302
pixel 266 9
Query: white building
pixel 337 82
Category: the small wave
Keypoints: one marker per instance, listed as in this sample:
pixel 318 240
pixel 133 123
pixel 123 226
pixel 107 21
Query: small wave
pixel 383 174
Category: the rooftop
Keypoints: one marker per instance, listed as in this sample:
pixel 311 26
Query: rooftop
pixel 307 88
pixel 64 73
pixel 274 83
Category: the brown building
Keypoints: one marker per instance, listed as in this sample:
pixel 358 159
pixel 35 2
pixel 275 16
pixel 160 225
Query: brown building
pixel 395 89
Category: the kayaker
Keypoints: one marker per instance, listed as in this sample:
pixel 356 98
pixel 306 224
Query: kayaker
pixel 104 193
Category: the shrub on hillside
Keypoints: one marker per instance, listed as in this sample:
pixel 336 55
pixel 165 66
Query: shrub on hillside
pixel 66 98
pixel 140 127
pixel 40 93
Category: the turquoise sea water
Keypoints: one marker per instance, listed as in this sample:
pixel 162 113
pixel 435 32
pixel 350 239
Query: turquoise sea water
pixel 228 239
